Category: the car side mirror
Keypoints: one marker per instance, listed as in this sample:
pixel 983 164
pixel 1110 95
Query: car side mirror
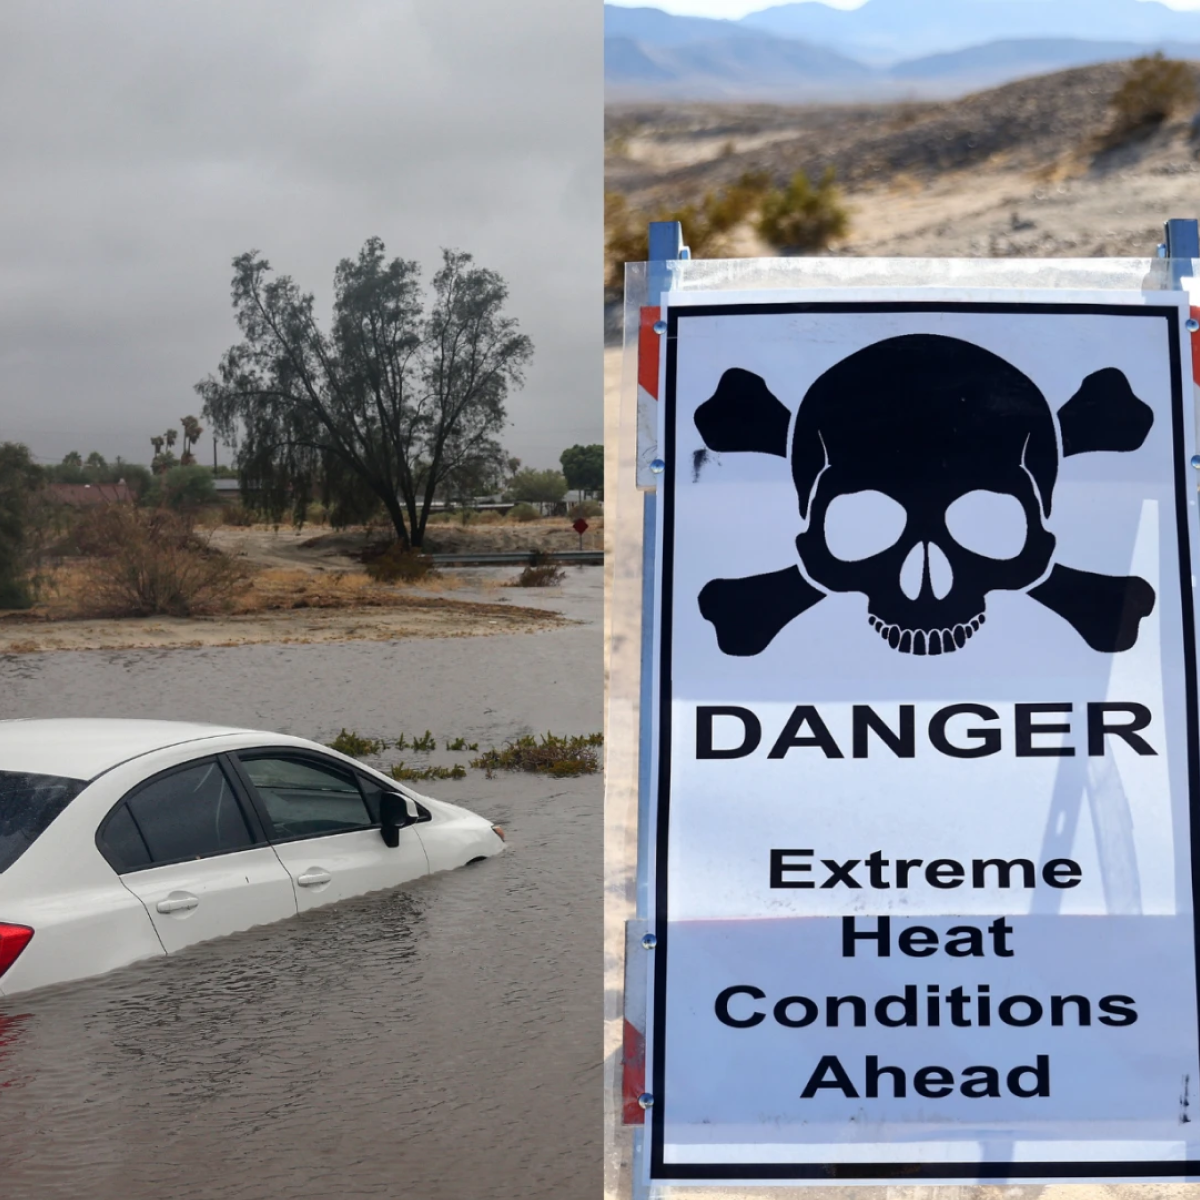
pixel 393 817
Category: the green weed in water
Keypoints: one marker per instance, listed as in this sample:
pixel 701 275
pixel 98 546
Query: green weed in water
pixel 402 773
pixel 351 743
pixel 552 755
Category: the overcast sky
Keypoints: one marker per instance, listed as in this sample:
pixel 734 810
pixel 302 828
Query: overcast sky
pixel 733 9
pixel 143 144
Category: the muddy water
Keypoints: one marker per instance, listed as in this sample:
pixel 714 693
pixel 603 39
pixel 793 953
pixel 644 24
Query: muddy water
pixel 439 1041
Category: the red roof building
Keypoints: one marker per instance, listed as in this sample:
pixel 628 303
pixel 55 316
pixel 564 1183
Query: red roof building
pixel 84 495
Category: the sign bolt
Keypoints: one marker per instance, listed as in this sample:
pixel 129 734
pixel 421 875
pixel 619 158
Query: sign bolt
pixel 649 942
pixel 660 327
pixel 1191 324
pixel 657 467
pixel 646 1100
pixel 1196 461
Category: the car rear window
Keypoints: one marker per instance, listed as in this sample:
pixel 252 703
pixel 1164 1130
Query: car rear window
pixel 28 803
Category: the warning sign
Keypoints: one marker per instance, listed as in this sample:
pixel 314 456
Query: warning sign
pixel 926 741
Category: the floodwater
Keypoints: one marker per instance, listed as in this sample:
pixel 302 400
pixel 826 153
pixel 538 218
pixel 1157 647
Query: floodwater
pixel 443 1040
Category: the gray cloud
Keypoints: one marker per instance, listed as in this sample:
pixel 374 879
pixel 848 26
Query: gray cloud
pixel 143 145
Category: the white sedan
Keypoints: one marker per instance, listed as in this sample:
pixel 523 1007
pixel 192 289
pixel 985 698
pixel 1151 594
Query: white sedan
pixel 122 840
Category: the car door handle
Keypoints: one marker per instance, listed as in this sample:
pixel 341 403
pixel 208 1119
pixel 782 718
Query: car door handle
pixel 313 877
pixel 177 904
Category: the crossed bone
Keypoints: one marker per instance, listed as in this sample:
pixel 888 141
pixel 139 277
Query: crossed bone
pixel 743 416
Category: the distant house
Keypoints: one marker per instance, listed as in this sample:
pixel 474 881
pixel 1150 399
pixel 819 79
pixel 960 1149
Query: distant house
pixel 229 490
pixel 86 495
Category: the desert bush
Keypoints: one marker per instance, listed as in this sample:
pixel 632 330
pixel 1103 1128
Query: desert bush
pixel 397 564
pixel 539 487
pixel 542 571
pixel 523 512
pixel 150 562
pixel 20 481
pixel 587 510
pixel 802 218
pixel 706 224
pixel 185 489
pixel 1154 88
pixel 237 514
pixel 487 517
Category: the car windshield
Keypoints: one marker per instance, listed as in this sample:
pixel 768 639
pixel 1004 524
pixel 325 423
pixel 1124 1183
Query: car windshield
pixel 28 803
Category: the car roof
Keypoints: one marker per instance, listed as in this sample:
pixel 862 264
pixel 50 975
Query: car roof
pixel 84 747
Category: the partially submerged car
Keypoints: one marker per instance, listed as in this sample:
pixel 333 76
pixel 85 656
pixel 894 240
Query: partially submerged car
pixel 126 839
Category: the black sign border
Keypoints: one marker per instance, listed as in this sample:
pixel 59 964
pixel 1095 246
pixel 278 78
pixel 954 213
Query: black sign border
pixel 898 1172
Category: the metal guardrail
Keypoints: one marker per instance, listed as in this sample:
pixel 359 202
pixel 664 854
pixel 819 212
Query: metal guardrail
pixel 520 558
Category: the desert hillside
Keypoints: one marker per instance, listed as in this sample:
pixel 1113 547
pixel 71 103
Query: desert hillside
pixel 1029 169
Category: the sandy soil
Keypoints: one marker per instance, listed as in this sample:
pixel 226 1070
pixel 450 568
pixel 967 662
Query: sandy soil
pixel 408 616
pixel 320 549
pixel 310 587
pixel 1025 170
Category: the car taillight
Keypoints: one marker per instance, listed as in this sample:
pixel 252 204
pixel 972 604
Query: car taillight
pixel 499 833
pixel 13 939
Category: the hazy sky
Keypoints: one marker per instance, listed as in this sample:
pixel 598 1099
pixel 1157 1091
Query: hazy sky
pixel 739 8
pixel 143 144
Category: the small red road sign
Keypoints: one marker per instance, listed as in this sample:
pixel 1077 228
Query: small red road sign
pixel 580 527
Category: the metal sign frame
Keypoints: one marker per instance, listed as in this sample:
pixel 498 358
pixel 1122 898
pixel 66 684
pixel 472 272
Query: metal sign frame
pixel 1180 245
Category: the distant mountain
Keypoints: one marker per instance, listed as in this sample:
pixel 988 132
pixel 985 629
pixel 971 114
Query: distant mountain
pixel 999 62
pixel 650 54
pixel 653 27
pixel 630 64
pixel 882 31
pixel 730 66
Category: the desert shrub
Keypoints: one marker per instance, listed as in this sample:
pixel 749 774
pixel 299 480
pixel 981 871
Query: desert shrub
pixel 523 512
pixel 542 571
pixel 802 218
pixel 474 516
pixel 552 755
pixel 587 510
pixel 545 575
pixel 356 746
pixel 20 480
pixel 237 514
pixel 706 224
pixel 539 487
pixel 1154 88
pixel 185 489
pixel 397 564
pixel 150 562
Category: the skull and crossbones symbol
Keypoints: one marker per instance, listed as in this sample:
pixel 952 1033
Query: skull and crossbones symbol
pixel 925 426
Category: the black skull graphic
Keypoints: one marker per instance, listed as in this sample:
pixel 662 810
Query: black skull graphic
pixel 905 440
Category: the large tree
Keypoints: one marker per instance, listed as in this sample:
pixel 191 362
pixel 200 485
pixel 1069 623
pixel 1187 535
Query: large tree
pixel 20 477
pixel 584 468
pixel 390 403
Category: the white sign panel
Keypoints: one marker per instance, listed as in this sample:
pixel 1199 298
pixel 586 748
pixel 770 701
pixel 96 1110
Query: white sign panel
pixel 926 741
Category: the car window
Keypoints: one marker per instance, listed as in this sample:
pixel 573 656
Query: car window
pixel 122 844
pixel 306 798
pixel 28 803
pixel 188 814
